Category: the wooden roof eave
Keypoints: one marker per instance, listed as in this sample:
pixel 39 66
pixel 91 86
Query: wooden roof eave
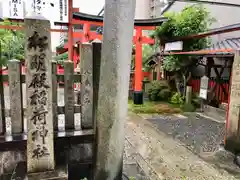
pixel 221 30
pixel 137 22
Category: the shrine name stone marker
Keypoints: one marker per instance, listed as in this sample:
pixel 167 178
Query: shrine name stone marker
pixel 40 151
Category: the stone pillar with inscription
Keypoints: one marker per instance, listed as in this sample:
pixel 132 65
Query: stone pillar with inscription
pixel 40 150
pixel 86 69
pixel 113 88
pixel 232 139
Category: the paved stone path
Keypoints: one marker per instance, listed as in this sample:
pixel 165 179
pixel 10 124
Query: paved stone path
pixel 163 158
pixel 200 135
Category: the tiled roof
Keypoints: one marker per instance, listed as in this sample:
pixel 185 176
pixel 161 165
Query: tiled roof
pixel 233 43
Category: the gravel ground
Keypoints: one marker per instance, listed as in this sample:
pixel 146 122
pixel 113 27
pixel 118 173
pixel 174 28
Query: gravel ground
pixel 199 134
pixel 166 157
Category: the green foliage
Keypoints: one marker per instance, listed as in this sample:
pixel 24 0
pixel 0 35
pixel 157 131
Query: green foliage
pixel 164 94
pixel 147 51
pixel 150 107
pixel 159 91
pixel 12 43
pixel 61 58
pixel 177 99
pixel 188 107
pixel 196 101
pixel 191 20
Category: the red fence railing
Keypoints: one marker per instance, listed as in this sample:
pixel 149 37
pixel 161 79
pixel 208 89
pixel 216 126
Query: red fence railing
pixel 220 95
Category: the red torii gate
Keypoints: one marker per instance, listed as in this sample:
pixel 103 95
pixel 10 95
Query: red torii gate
pixel 76 18
pixel 86 35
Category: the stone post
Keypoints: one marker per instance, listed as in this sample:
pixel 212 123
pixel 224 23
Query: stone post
pixel 189 95
pixel 69 94
pixel 113 88
pixel 232 139
pixel 86 66
pixel 15 92
pixel 40 151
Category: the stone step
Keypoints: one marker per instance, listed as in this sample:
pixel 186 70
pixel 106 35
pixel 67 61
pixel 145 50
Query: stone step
pixel 223 106
pixel 58 178
pixel 217 114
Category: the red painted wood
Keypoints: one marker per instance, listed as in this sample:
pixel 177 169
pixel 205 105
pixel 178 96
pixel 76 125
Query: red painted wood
pixel 195 83
pixel 138 62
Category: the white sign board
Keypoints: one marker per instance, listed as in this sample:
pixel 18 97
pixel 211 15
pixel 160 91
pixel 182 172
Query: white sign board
pixel 16 9
pixel 174 46
pixel 54 10
pixel 62 11
pixel 1 7
pixel 203 93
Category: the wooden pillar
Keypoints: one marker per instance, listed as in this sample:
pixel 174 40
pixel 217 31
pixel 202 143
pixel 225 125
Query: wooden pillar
pixel 86 32
pixel 138 93
pixel 40 150
pixel 232 139
pixel 113 88
pixel 208 67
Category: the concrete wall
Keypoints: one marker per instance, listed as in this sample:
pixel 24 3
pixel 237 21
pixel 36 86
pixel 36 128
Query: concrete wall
pixel 142 10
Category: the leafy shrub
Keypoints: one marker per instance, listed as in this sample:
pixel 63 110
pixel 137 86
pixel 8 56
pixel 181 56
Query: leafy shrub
pixel 196 100
pixel 159 90
pixel 177 99
pixel 164 94
pixel 152 108
pixel 188 107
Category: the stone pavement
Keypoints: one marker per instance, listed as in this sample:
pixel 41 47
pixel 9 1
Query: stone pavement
pixel 163 158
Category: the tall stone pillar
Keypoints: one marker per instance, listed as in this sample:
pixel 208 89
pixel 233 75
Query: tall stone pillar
pixel 232 139
pixel 113 88
pixel 40 151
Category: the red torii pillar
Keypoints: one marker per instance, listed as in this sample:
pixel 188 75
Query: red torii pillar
pixel 138 75
pixel 139 40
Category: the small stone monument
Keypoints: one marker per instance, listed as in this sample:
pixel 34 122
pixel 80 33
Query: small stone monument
pixel 40 151
pixel 86 66
pixel 204 84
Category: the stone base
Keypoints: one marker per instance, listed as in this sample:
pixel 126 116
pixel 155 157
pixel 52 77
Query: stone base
pixel 232 144
pixel 58 174
pixel 138 97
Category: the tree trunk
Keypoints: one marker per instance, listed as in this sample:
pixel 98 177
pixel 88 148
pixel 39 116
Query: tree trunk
pixel 177 83
pixel 184 84
pixel 185 81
